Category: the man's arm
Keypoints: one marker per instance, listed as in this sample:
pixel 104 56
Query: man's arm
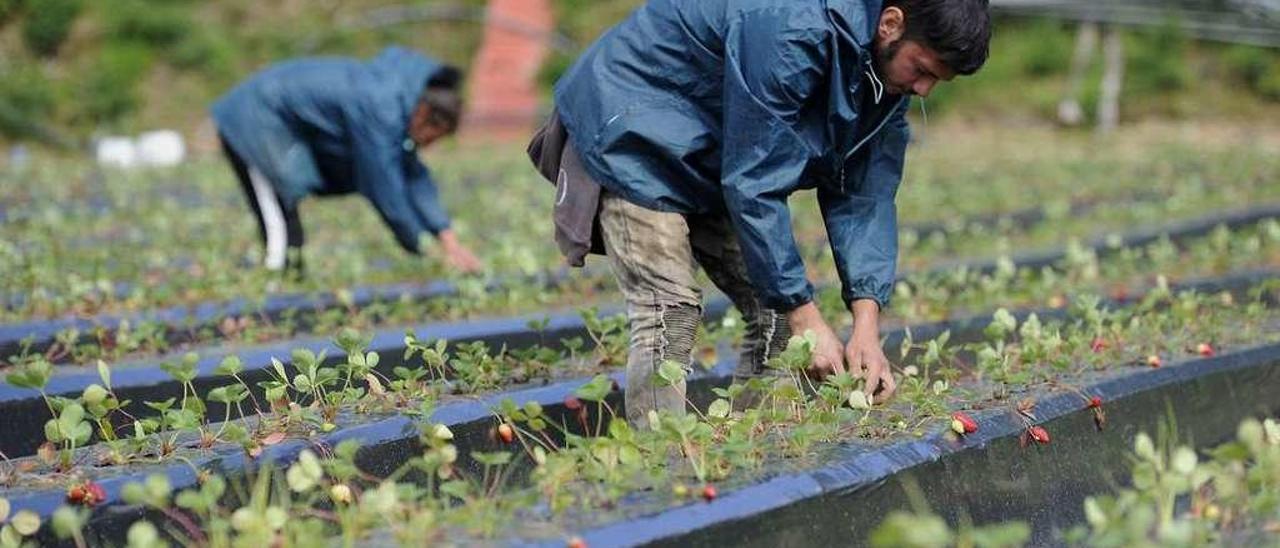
pixel 422 194
pixel 379 174
pixel 863 230
pixel 769 75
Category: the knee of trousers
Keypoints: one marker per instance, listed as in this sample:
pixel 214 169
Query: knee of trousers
pixel 671 327
pixel 767 335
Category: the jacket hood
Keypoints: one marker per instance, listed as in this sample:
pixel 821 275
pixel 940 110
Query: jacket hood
pixel 406 72
pixel 855 20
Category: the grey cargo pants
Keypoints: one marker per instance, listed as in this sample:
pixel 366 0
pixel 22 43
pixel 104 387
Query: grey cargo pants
pixel 654 256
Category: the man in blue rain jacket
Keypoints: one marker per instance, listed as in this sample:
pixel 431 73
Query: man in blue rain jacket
pixel 334 125
pixel 686 127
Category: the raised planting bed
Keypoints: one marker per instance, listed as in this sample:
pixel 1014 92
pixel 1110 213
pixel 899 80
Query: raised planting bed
pixel 993 475
pixel 23 411
pixel 389 441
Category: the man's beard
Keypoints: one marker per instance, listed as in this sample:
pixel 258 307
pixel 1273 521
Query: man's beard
pixel 883 56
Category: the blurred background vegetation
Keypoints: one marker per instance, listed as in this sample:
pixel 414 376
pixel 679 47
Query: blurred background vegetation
pixel 81 68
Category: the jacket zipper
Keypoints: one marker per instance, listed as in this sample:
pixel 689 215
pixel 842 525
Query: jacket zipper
pixel 864 140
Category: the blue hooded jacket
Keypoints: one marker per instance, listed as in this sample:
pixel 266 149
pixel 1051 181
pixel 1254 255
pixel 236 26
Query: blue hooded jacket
pixel 339 125
pixel 730 106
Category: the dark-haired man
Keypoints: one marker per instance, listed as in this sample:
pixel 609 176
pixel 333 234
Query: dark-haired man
pixel 679 135
pixel 329 126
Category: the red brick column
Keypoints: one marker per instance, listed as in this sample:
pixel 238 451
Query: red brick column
pixel 503 96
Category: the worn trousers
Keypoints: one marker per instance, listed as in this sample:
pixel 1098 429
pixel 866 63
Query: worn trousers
pixel 655 256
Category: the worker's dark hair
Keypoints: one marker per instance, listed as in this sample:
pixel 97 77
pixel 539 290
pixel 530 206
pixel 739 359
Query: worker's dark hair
pixel 444 98
pixel 959 30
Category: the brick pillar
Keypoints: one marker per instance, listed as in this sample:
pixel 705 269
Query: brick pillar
pixel 503 102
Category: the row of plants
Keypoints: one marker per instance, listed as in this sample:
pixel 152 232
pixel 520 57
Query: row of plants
pixel 577 468
pixel 928 296
pixel 951 298
pixel 162 253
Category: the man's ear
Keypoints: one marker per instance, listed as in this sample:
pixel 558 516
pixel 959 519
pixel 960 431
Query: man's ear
pixel 893 23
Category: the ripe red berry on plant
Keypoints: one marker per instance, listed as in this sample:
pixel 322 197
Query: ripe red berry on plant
pixel 86 494
pixel 963 423
pixel 1039 434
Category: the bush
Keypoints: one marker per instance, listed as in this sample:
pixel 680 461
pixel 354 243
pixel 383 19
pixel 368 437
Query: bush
pixel 7 8
pixel 108 90
pixel 26 99
pixel 1045 48
pixel 1157 60
pixel 207 53
pixel 158 26
pixel 48 23
pixel 1257 68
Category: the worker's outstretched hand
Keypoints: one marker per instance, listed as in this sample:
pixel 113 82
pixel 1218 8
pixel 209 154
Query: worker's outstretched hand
pixel 458 256
pixel 826 353
pixel 864 354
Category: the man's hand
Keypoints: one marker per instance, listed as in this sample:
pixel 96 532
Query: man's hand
pixel 826 355
pixel 456 255
pixel 864 354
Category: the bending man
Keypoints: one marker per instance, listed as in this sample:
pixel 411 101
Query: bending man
pixel 680 134
pixel 329 126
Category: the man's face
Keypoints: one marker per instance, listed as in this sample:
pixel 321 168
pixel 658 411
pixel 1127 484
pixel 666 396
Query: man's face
pixel 421 130
pixel 906 66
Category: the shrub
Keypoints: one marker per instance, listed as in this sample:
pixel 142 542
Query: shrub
pixel 26 99
pixel 207 53
pixel 48 23
pixel 108 90
pixel 1157 60
pixel 1257 68
pixel 158 26
pixel 7 8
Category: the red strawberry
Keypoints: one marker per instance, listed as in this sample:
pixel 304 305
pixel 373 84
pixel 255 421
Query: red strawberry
pixel 572 403
pixel 1154 360
pixel 709 492
pixel 96 494
pixel 1095 402
pixel 965 421
pixel 1205 350
pixel 1098 345
pixel 76 494
pixel 506 433
pixel 577 542
pixel 87 494
pixel 1038 433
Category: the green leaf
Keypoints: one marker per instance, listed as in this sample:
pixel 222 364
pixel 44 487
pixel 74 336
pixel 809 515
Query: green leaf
pixel 158 489
pixel 596 390
pixel 279 368
pixel 492 459
pixel 161 406
pixel 532 408
pixel 719 409
pixel 230 365
pixel 142 534
pixel 52 432
pixel 25 522
pixel 455 488
pixel 104 373
pixel 672 372
pixel 302 383
pixel 34 375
